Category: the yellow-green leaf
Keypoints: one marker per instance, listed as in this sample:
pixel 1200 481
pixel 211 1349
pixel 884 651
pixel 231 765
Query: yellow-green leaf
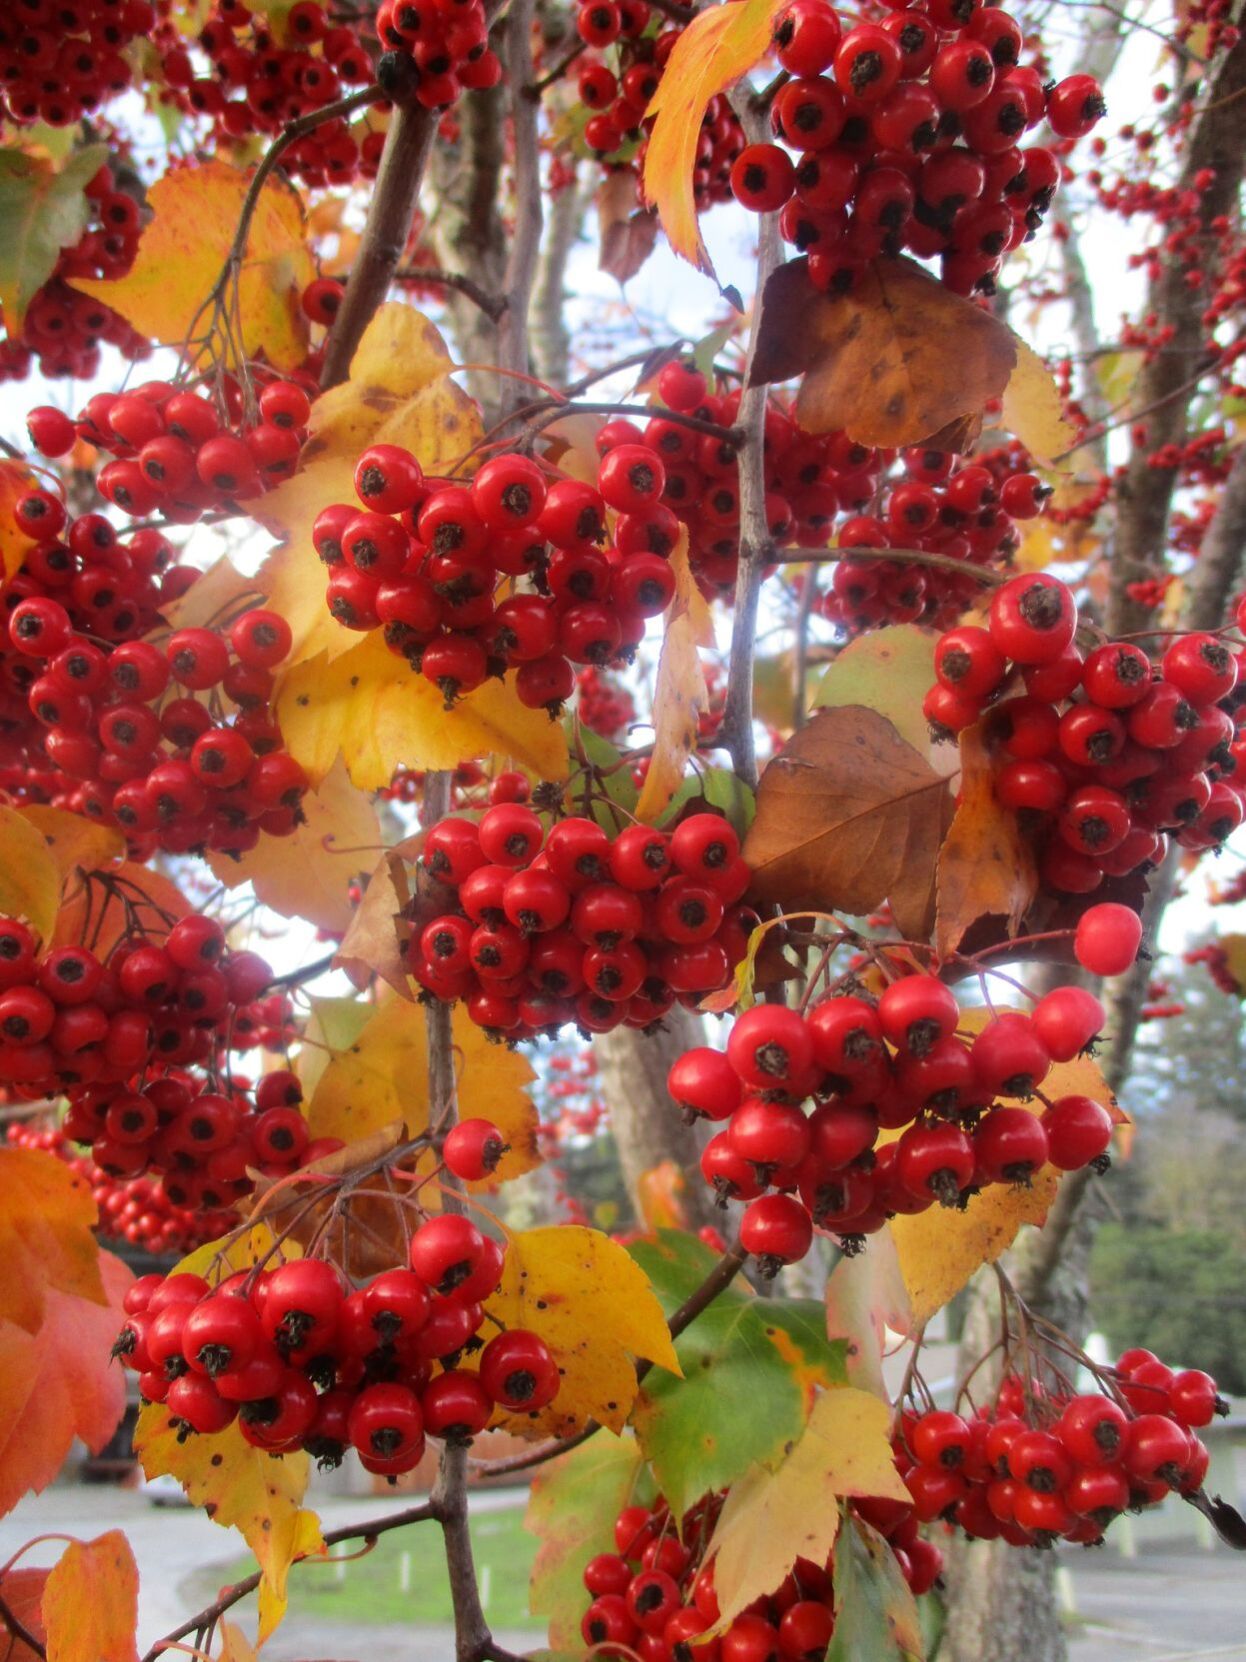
pixel 594 1307
pixel 90 1602
pixel 307 874
pixel 711 54
pixel 381 714
pixel 772 1518
pixel 181 254
pixel 1034 410
pixel 889 671
pixel 41 212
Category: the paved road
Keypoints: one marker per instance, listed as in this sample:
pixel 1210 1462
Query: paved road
pixel 1163 1606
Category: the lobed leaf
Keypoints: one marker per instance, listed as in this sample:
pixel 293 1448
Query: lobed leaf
pixel 47 1213
pixel 90 1602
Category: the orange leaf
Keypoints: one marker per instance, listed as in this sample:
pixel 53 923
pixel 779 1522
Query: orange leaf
pixel 986 865
pixel 681 696
pixel 156 900
pixel 22 1592
pixel 662 1191
pixel 75 842
pixel 848 815
pixel 46 1215
pixel 899 361
pixel 711 54
pixel 307 874
pixel 15 480
pixel 90 1602
pixel 183 250
pixel 59 1384
pixel 30 883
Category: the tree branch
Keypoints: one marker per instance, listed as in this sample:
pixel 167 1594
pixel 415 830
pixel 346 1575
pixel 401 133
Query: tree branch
pixel 756 546
pixel 19 1630
pixel 525 250
pixel 394 196
pixel 1219 567
pixel 492 305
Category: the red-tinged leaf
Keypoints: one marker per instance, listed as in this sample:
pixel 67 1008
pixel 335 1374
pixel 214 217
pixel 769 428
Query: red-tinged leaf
pixel 59 1384
pixel 901 360
pixel 875 1613
pixel 848 815
pixel 866 1296
pixel 90 1602
pixel 681 696
pixel 711 54
pixel 986 865
pixel 22 1592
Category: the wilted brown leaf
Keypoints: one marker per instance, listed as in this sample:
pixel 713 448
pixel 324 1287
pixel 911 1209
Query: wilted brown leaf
pixel 986 865
pixel 849 815
pixel 895 362
pixel 627 234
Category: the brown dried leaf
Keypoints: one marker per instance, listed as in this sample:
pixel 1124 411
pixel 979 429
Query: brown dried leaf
pixel 376 942
pixel 896 362
pixel 849 815
pixel 628 234
pixel 986 866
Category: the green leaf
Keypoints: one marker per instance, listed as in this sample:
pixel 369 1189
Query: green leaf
pixel 714 788
pixel 875 1613
pixel 571 1511
pixel 615 780
pixel 704 1431
pixel 889 670
pixel 41 212
pixel 709 346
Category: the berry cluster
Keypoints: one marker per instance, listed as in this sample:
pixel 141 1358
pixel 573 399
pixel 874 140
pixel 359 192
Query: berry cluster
pixel 960 512
pixel 59 63
pixel 176 452
pixel 119 1036
pixel 174 773
pixel 423 558
pixel 572 925
pixel 895 1066
pixel 302 1361
pixel 63 329
pixel 906 136
pixel 1108 753
pixel 603 703
pixel 1041 1467
pixel 254 83
pixel 654 1597
pixel 133 1209
pixel 447 46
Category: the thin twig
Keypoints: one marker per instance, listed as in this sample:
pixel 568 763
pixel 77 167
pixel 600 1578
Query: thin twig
pixel 492 305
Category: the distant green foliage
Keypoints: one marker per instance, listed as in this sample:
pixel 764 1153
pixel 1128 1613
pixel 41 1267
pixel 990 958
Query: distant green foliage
pixel 1181 1295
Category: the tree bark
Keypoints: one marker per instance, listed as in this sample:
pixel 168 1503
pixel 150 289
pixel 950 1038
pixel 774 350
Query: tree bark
pixel 647 1126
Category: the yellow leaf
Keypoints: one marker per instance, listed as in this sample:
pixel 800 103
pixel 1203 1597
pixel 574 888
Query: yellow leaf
pixel 986 865
pixel 399 392
pixel 381 714
pixel 382 1075
pixel 772 1518
pixel 90 1602
pixel 219 592
pixel 902 360
pixel 15 480
pixel 940 1249
pixel 681 696
pixel 711 54
pixel 375 942
pixel 242 1488
pixel 30 881
pixel 595 1309
pixel 306 875
pixel 1234 949
pixel 46 1216
pixel 182 251
pixel 75 842
pixel 1034 410
pixel 235 1646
